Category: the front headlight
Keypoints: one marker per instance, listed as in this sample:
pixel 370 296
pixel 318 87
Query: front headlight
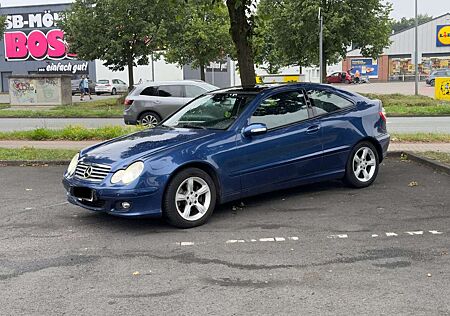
pixel 73 165
pixel 128 175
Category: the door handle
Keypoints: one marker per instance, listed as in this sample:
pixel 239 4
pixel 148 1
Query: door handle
pixel 313 129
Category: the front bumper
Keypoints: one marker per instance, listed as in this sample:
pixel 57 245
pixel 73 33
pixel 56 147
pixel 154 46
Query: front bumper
pixel 144 202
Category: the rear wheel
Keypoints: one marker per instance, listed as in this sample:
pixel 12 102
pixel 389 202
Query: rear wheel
pixel 113 91
pixel 190 198
pixel 149 119
pixel 362 165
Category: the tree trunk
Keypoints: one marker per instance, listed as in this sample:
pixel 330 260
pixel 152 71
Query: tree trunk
pixel 241 32
pixel 202 73
pixel 130 73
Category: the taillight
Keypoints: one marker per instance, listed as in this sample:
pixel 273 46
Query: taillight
pixel 383 115
pixel 127 103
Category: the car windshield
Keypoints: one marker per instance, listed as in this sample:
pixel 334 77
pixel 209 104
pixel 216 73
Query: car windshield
pixel 215 111
pixel 103 81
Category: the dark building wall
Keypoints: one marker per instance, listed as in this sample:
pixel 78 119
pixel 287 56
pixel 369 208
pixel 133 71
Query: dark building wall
pixel 31 65
pixel 221 77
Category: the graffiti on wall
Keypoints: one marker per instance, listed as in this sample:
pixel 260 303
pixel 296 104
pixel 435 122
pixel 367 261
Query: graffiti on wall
pixel 23 90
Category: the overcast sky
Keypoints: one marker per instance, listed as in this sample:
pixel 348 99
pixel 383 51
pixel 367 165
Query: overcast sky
pixel 401 7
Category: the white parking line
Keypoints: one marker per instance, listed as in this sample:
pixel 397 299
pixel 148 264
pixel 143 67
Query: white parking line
pixel 334 236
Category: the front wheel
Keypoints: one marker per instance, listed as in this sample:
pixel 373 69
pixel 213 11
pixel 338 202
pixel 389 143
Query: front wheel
pixel 362 165
pixel 190 198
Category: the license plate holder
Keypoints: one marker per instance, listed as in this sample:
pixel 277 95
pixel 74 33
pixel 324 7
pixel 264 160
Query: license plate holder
pixel 82 193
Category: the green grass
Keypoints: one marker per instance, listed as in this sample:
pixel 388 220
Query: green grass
pixel 33 154
pixel 4 106
pixel 99 108
pixel 421 137
pixel 73 133
pixel 438 156
pixel 410 105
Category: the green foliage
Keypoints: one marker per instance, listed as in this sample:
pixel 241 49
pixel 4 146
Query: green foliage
pixel 34 154
pixel 123 33
pixel 71 133
pixel 405 23
pixel 198 34
pixel 2 25
pixel 296 28
pixel 421 137
pixel 100 108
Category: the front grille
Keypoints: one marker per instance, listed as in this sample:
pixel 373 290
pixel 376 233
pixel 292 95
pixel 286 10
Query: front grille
pixel 96 173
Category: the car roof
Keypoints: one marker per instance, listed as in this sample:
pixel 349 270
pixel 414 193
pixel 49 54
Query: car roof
pixel 171 82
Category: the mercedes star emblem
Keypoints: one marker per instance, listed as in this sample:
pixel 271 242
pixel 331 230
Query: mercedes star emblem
pixel 87 172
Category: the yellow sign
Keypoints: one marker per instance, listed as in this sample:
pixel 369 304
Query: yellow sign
pixel 443 35
pixel 442 88
pixel 277 78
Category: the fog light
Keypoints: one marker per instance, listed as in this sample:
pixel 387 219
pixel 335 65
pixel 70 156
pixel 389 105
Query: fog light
pixel 126 205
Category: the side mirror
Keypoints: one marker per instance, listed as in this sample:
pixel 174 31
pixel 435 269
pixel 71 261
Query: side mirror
pixel 254 129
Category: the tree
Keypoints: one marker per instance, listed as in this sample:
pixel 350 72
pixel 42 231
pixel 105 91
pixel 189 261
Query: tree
pixel 241 13
pixel 296 27
pixel 2 25
pixel 123 33
pixel 268 54
pixel 198 34
pixel 404 23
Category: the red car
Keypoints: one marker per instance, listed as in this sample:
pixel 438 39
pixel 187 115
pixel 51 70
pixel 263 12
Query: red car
pixel 339 77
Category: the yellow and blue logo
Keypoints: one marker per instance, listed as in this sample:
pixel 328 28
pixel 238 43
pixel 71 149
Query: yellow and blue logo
pixel 443 35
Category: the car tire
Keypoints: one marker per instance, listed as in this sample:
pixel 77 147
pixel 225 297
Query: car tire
pixel 149 119
pixel 97 93
pixel 347 81
pixel 189 199
pixel 362 165
pixel 113 91
pixel 432 83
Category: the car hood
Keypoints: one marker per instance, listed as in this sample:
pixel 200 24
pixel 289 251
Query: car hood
pixel 124 150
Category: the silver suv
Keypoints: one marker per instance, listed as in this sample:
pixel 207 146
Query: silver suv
pixel 150 103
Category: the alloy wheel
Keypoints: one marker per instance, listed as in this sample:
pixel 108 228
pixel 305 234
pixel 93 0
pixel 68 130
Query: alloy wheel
pixel 364 164
pixel 149 121
pixel 193 198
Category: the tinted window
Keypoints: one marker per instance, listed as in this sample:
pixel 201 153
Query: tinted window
pixel 281 109
pixel 193 91
pixel 171 91
pixel 150 91
pixel 327 102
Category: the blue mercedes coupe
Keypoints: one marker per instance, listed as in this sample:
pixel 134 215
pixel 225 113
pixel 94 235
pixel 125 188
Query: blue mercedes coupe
pixel 230 144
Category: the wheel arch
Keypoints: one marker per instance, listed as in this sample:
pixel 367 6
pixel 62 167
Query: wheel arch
pixel 375 143
pixel 204 166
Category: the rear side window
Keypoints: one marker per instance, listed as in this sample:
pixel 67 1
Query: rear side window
pixel 150 91
pixel 281 109
pixel 324 102
pixel 193 91
pixel 171 91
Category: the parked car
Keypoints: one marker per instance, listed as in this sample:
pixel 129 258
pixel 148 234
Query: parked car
pixel 339 77
pixel 151 102
pixel 230 144
pixel 437 74
pixel 76 86
pixel 111 86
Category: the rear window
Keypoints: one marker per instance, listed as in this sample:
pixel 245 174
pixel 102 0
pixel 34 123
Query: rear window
pixel 171 91
pixel 103 81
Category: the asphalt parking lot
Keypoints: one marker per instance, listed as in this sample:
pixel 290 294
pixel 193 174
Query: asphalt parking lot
pixel 318 249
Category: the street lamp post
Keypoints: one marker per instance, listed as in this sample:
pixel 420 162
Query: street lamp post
pixel 416 53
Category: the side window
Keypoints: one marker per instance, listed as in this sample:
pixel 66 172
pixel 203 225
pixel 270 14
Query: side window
pixel 150 91
pixel 115 81
pixel 171 91
pixel 121 82
pixel 326 102
pixel 193 91
pixel 281 109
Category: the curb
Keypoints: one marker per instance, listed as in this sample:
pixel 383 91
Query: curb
pixel 436 165
pixel 33 163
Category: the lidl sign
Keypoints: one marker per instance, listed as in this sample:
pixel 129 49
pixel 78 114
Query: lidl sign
pixel 443 35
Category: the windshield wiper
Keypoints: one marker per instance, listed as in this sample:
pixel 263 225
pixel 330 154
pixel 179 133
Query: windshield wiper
pixel 190 126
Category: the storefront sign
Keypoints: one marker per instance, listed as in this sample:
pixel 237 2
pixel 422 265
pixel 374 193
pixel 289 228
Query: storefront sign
pixel 34 36
pixel 71 68
pixel 442 88
pixel 365 66
pixel 443 35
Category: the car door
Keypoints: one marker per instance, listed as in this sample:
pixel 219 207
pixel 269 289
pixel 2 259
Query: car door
pixel 339 124
pixel 288 151
pixel 171 97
